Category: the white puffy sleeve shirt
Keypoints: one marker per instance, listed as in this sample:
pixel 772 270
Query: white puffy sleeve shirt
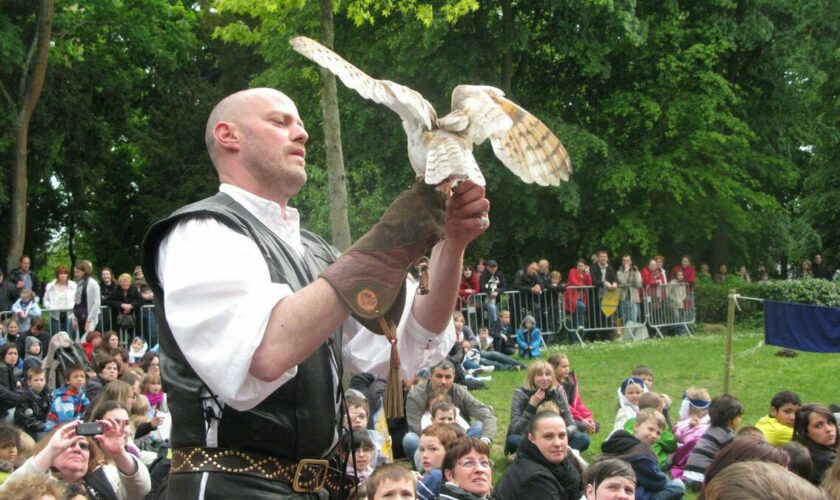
pixel 219 297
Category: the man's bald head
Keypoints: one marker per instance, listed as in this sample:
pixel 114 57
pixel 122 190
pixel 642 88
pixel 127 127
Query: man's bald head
pixel 234 108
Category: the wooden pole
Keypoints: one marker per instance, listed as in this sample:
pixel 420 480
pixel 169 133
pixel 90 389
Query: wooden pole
pixel 730 331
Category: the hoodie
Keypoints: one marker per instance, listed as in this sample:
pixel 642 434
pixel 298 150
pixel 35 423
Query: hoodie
pixel 526 338
pixel 649 477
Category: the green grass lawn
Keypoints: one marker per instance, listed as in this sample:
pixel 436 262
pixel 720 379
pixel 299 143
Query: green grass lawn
pixel 677 363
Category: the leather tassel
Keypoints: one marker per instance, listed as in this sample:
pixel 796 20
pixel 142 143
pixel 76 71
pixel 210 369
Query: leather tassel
pixel 394 402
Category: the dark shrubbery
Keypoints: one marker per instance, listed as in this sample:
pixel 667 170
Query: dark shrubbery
pixel 711 298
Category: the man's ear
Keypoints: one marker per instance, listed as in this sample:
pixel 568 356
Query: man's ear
pixel 227 135
pixel 773 412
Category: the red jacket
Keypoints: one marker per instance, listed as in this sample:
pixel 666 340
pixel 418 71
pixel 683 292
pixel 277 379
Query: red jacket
pixel 570 298
pixel 470 284
pixel 651 281
pixel 689 275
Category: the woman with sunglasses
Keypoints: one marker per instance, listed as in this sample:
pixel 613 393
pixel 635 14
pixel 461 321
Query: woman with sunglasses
pixel 468 471
pixel 64 455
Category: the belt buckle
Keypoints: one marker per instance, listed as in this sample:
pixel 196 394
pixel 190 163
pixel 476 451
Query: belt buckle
pixel 319 475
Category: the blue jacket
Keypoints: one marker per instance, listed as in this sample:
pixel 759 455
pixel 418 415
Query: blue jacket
pixel 532 337
pixel 68 404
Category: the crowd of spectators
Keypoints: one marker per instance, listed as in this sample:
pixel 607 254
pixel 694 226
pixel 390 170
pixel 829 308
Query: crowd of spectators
pixel 100 430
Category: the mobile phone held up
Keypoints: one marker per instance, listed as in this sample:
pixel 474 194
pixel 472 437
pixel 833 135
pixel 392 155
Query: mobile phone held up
pixel 89 429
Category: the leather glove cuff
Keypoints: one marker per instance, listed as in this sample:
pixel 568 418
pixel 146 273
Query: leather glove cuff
pixel 370 276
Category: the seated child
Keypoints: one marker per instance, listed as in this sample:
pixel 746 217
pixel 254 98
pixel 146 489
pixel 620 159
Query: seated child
pixel 9 444
pixel 645 373
pixel 529 338
pixel 152 388
pixel 724 419
pixel 34 405
pixel 694 421
pixel 34 357
pixel 777 427
pixel 144 424
pixel 358 452
pixel 667 443
pixel 629 393
pixel 389 482
pixel 357 407
pixel 440 410
pixel 584 420
pixel 651 482
pixel 485 342
pixel 137 350
pixel 69 401
pixel 434 441
pixel 503 334
pixel 489 357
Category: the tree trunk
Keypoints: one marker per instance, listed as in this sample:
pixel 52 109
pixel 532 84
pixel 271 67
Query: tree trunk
pixel 339 222
pixel 32 85
pixel 507 42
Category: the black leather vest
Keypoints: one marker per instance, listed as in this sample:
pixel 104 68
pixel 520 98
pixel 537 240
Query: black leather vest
pixel 298 420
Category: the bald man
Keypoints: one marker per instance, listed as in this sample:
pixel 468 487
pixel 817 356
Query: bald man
pixel 256 312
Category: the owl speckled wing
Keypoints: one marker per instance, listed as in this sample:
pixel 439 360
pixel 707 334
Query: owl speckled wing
pixel 409 104
pixel 529 149
pixel 520 140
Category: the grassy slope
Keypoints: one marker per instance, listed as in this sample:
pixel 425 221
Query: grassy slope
pixel 677 363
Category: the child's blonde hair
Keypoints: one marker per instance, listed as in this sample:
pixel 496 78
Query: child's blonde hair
pixel 651 413
pixel 695 413
pixel 548 406
pixel 149 379
pixel 140 411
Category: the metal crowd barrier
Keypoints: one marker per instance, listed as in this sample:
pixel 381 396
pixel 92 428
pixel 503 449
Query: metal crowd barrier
pixel 577 310
pixel 543 307
pixel 670 305
pixel 664 306
pixel 145 329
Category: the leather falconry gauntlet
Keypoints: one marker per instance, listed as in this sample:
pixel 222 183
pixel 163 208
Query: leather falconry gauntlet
pixel 370 276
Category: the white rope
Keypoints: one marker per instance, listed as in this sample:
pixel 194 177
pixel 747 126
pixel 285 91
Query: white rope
pixel 737 296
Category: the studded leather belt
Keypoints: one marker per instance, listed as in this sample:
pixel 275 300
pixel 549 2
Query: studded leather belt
pixel 305 476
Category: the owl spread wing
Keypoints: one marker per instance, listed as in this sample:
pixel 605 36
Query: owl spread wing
pixel 520 140
pixel 409 104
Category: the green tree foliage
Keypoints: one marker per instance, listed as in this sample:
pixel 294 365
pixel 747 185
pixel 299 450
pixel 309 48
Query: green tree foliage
pixel 707 128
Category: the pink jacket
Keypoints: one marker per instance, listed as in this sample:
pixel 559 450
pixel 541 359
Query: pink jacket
pixel 576 407
pixel 687 438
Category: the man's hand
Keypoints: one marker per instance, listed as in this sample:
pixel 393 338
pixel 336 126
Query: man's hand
pixel 464 212
pixel 536 289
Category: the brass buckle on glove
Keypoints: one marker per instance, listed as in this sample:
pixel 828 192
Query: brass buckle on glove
pixel 310 475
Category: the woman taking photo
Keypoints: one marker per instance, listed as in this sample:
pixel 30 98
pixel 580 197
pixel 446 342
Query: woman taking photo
pixel 64 455
pixel 468 471
pixel 544 467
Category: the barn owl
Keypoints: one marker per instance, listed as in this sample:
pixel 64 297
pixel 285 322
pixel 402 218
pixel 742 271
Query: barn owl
pixel 440 149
